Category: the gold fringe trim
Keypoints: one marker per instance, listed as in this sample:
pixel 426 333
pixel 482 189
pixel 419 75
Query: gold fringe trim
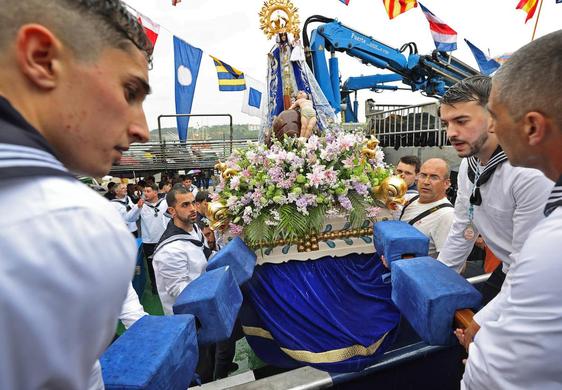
pixel 333 356
pixel 257 332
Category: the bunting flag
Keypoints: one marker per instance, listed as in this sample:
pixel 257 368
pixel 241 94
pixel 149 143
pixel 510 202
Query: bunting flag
pixel 487 65
pixel 230 79
pixel 397 7
pixel 529 6
pixel 254 98
pixel 445 37
pixel 502 58
pixel 346 2
pixel 151 29
pixel 187 60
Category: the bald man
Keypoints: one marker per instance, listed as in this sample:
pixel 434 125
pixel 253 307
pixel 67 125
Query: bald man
pixel 431 212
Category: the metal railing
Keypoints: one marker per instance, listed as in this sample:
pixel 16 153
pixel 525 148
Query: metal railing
pixel 176 155
pixel 411 126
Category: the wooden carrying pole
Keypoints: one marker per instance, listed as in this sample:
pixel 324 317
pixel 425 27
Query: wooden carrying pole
pixel 463 318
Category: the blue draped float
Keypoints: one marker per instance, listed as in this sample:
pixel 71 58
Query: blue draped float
pixel 334 314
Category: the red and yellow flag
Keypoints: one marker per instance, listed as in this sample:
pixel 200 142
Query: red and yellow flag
pixel 397 7
pixel 529 6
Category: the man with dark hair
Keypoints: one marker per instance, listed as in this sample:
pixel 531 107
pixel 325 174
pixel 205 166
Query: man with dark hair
pixel 202 200
pixel 153 223
pixel 163 188
pixel 110 194
pixel 178 260
pixel 494 199
pixel 73 76
pixel 408 167
pixel 181 257
pixel 209 234
pixel 519 348
pixel 187 182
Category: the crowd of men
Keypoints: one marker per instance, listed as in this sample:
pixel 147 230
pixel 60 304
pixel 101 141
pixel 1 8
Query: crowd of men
pixel 73 77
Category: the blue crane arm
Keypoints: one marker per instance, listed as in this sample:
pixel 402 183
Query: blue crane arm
pixel 432 74
pixel 374 82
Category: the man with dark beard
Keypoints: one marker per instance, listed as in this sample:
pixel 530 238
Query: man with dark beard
pixel 520 349
pixel 494 199
pixel 180 258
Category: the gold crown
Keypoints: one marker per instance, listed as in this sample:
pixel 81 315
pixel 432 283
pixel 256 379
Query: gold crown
pixel 279 16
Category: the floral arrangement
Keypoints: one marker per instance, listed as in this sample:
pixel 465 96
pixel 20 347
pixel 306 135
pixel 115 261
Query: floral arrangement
pixel 286 190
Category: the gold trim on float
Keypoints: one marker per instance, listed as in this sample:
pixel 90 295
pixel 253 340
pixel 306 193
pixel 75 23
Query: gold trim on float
pixel 257 332
pixel 333 356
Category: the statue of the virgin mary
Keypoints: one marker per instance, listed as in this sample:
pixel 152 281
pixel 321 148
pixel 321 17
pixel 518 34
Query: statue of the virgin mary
pixel 287 70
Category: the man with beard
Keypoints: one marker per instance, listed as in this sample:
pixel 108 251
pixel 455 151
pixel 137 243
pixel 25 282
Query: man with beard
pixel 520 347
pixel 181 257
pixel 494 199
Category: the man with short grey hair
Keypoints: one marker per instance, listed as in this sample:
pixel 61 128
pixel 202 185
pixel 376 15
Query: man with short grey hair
pixel 519 347
pixel 73 76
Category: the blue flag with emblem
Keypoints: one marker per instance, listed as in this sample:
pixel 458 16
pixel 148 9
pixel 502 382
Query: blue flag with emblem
pixel 187 60
pixel 230 79
pixel 487 65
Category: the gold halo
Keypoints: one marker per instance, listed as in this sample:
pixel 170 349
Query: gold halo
pixel 272 23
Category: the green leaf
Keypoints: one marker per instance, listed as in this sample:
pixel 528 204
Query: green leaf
pixel 316 218
pixel 258 231
pixel 292 224
pixel 358 213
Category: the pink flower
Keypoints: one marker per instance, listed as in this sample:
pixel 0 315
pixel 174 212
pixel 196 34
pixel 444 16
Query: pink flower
pixel 345 202
pixel 235 229
pixel 372 212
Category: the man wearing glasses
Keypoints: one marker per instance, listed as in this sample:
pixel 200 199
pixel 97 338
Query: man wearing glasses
pixel 431 212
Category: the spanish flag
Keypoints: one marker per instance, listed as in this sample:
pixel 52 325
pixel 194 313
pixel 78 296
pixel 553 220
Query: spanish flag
pixel 529 6
pixel 230 79
pixel 397 7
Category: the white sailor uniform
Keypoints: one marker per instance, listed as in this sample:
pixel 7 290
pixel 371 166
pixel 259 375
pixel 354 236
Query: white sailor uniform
pixel 521 346
pixel 128 212
pixel 178 260
pixel 62 245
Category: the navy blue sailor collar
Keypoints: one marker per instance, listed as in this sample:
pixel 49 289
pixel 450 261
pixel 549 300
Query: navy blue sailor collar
pixel 24 152
pixel 555 198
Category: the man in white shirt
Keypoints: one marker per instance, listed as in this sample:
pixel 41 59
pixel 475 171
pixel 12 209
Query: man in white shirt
pixel 520 347
pixel 181 257
pixel 73 76
pixel 153 223
pixel 431 212
pixel 494 199
pixel 187 182
pixel 126 209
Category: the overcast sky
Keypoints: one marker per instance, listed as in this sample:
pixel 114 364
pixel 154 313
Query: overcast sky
pixel 229 30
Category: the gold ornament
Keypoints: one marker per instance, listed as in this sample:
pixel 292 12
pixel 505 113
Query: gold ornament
pixel 279 16
pixel 369 151
pixel 217 212
pixel 220 166
pixel 391 191
pixel 229 172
